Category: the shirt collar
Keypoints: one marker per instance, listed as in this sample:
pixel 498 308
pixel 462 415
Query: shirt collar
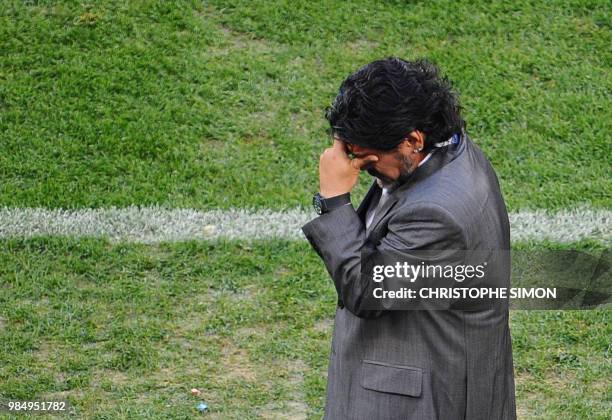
pixel 425 159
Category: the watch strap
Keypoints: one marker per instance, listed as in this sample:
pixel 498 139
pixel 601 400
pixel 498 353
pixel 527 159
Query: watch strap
pixel 332 203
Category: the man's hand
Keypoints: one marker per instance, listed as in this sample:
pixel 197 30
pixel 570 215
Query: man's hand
pixel 337 173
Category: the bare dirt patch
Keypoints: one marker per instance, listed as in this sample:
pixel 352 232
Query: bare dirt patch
pixel 236 364
pixel 295 408
pixel 324 325
pixel 362 45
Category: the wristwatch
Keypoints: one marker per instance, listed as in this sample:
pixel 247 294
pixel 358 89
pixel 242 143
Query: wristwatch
pixel 324 205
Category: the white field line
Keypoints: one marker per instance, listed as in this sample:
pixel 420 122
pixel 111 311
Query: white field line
pixel 160 224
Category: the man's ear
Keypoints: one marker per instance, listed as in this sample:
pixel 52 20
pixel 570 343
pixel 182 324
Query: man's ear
pixel 416 139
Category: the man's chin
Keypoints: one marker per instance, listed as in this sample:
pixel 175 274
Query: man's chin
pixel 390 184
pixel 379 176
pixel 384 183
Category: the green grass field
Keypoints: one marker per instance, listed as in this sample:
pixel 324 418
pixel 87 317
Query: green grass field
pixel 126 331
pixel 220 104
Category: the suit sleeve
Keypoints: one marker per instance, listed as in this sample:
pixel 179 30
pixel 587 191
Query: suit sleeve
pixel 339 238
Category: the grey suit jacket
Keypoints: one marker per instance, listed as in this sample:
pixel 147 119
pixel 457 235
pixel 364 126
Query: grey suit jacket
pixel 420 364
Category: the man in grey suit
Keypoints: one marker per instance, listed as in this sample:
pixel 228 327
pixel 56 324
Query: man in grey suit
pixel 434 191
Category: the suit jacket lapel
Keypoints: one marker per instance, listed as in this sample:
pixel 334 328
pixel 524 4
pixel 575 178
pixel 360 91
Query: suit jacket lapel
pixel 372 195
pixel 381 212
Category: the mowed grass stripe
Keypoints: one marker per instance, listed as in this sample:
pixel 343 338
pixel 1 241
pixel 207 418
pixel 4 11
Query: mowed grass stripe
pixel 159 224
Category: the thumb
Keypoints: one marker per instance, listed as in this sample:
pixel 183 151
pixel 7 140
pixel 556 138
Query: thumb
pixel 361 163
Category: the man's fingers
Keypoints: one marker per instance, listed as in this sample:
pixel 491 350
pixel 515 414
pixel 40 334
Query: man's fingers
pixel 360 163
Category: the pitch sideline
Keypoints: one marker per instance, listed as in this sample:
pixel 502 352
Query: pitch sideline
pixel 161 224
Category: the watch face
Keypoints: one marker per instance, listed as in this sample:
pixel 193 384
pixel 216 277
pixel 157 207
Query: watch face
pixel 316 203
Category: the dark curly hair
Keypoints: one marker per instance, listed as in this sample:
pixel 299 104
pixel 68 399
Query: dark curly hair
pixel 381 103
